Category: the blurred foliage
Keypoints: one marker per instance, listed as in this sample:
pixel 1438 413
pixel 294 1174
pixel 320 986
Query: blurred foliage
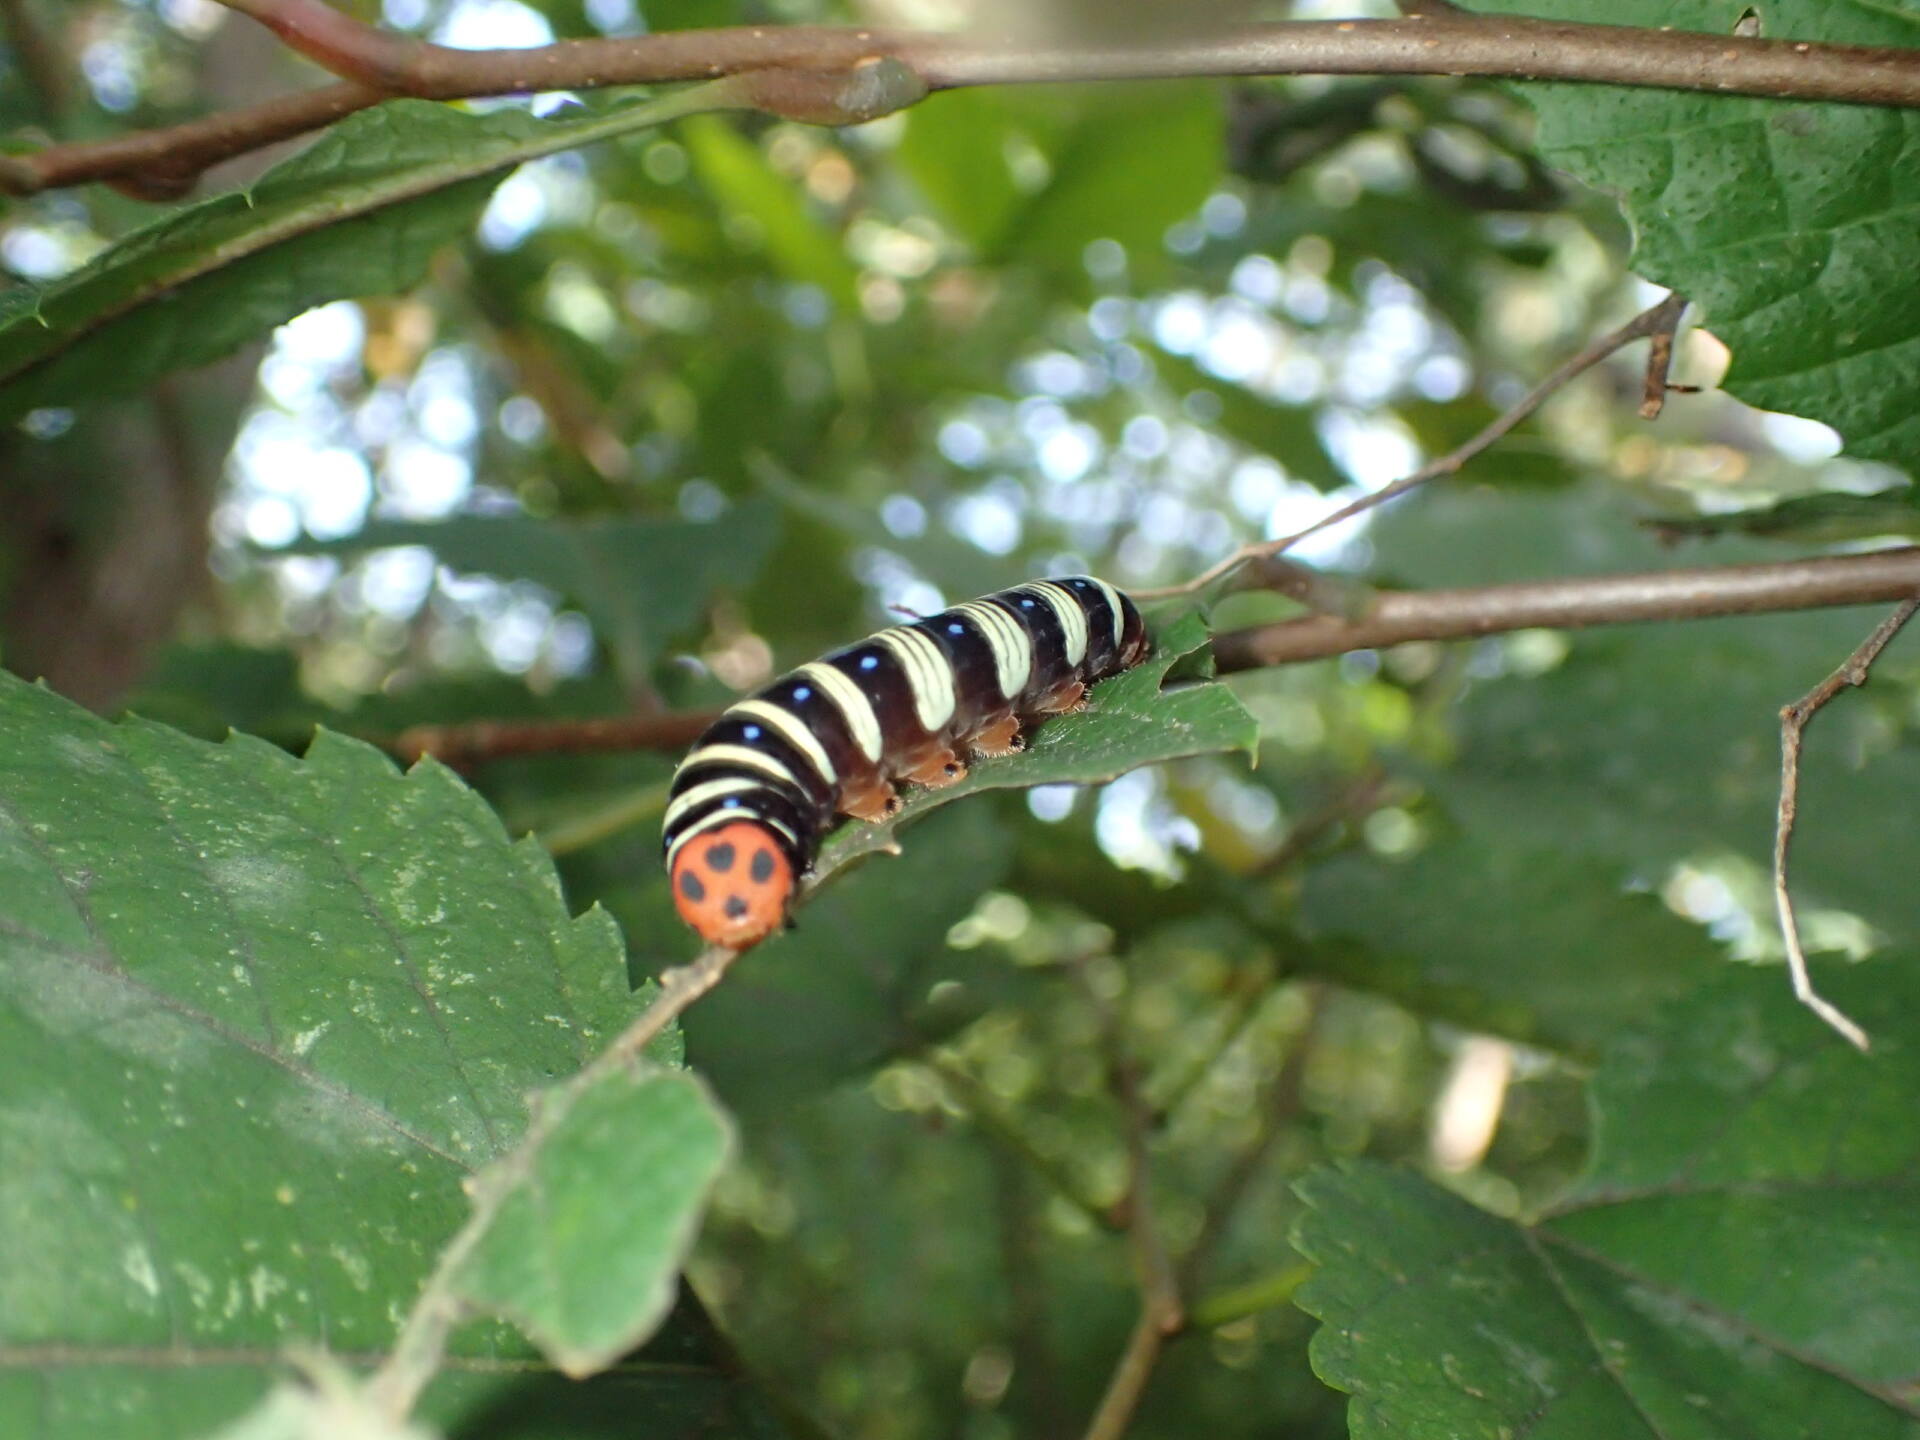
pixel 634 426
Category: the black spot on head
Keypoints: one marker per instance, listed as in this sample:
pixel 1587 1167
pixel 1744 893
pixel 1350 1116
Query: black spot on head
pixel 762 868
pixel 691 887
pixel 720 857
pixel 735 907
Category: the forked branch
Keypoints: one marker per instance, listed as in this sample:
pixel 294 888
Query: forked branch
pixel 1431 40
pixel 1657 322
pixel 1794 719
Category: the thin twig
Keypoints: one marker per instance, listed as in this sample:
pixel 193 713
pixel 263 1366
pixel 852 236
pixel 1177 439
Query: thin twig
pixel 1576 602
pixel 1428 43
pixel 1656 320
pixel 1358 797
pixel 1278 1107
pixel 1653 395
pixel 1390 617
pixel 422 1342
pixel 1129 1379
pixel 1250 989
pixel 1161 1314
pixel 1794 719
pixel 466 745
pixel 998 1125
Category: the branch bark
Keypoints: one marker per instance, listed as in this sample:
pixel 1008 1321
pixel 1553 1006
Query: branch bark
pixel 1161 1312
pixel 462 746
pixel 1380 618
pixel 1396 617
pixel 1794 719
pixel 1434 41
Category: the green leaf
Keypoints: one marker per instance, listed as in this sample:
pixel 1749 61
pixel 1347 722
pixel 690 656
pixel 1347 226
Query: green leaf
pixel 1820 519
pixel 643 582
pixel 1791 226
pixel 1496 933
pixel 1129 723
pixel 685 1387
pixel 1081 179
pixel 593 1224
pixel 1741 1261
pixel 357 213
pixel 745 186
pixel 957 149
pixel 262 1018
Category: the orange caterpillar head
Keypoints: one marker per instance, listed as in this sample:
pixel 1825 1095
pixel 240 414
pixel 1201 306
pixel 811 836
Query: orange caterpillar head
pixel 732 884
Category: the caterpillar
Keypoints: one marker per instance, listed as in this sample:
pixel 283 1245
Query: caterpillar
pixel 753 799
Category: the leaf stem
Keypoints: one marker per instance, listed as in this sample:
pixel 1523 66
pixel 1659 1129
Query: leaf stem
pixel 994 1121
pixel 1268 1292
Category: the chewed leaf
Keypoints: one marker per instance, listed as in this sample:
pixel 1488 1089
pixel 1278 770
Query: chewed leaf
pixel 1791 226
pixel 261 1018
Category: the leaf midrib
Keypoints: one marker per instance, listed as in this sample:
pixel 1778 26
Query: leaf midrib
pixel 328 207
pixel 1538 1239
pixel 220 1030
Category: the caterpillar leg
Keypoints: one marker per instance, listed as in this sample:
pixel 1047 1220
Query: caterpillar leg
pixel 879 801
pixel 1064 701
pixel 1000 738
pixel 942 767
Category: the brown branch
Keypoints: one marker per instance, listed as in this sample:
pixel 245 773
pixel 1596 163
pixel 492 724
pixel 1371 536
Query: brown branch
pixel 1655 321
pixel 998 1124
pixel 1794 719
pixel 1279 1106
pixel 1653 395
pixel 1358 797
pixel 1397 617
pixel 1386 617
pixel 381 60
pixel 1434 42
pixel 1161 1313
pixel 463 746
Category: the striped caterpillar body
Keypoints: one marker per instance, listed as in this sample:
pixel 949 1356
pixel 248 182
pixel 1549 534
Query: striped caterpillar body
pixel 758 791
